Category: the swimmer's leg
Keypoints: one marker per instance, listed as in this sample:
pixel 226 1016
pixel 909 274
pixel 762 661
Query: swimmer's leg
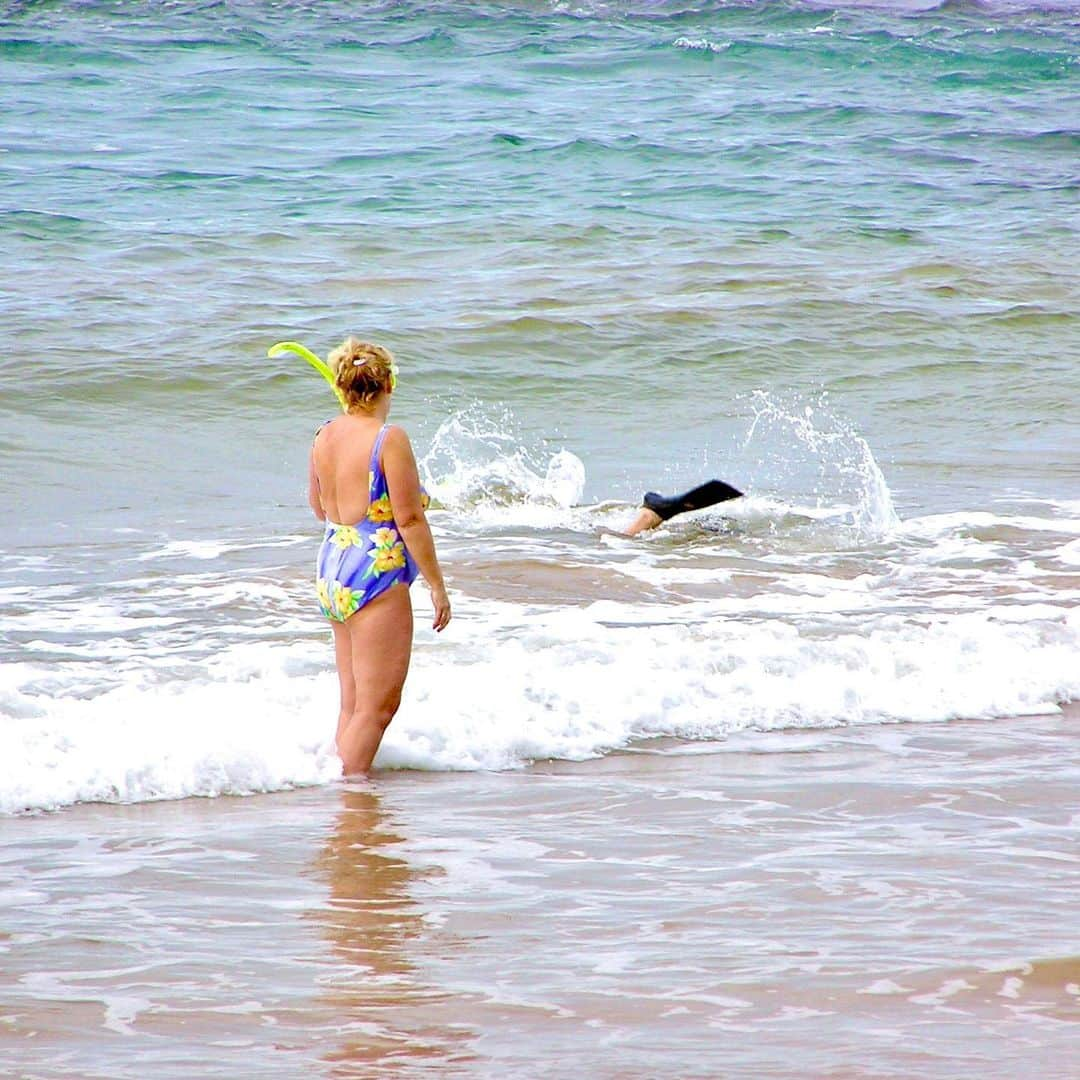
pixel 656 508
pixel 646 519
pixel 380 639
pixel 708 494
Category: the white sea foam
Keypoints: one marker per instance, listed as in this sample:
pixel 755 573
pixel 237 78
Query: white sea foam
pixel 512 687
pixel 964 522
pixel 701 45
pixel 213 549
pixel 1070 553
pixel 244 726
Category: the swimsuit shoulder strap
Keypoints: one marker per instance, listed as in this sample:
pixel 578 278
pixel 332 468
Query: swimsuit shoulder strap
pixel 376 450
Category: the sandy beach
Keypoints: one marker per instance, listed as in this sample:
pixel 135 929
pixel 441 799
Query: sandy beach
pixel 890 902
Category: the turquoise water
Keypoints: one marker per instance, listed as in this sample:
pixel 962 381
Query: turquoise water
pixel 827 254
pixel 614 218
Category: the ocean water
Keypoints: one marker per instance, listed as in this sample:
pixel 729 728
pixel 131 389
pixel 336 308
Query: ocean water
pixel 828 254
pixel 786 787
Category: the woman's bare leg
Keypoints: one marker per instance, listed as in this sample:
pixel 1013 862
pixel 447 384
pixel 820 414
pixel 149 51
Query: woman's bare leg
pixel 346 679
pixel 380 636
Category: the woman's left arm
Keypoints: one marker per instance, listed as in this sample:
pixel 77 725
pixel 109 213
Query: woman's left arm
pixel 403 482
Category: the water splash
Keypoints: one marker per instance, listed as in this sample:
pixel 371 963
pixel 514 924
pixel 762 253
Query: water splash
pixel 480 457
pixel 807 442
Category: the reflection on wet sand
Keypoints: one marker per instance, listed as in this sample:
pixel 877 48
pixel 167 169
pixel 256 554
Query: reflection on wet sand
pixel 388 1018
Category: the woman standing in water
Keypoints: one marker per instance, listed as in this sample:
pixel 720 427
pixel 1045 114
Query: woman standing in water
pixel 364 484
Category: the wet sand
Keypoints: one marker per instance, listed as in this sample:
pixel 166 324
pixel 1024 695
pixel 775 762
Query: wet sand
pixel 894 901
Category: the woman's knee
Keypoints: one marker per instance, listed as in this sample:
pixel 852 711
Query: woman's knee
pixel 378 715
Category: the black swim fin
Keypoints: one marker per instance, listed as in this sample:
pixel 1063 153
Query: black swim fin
pixel 715 491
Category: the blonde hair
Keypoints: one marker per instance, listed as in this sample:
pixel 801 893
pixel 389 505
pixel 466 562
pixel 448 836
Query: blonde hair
pixel 362 371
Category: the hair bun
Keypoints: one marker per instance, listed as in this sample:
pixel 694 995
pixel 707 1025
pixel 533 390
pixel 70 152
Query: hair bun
pixel 362 371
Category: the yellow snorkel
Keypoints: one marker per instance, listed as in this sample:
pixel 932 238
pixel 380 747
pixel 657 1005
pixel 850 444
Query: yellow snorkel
pixel 321 367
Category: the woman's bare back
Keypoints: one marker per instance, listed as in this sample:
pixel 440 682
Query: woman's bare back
pixel 342 460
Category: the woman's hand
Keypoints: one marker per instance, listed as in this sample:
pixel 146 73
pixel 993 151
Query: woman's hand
pixel 441 603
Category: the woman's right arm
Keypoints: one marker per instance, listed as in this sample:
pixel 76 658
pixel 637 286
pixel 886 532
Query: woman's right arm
pixel 314 496
pixel 403 480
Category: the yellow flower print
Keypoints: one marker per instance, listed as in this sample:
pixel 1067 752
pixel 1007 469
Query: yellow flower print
pixel 380 510
pixel 322 589
pixel 386 553
pixel 384 538
pixel 346 536
pixel 425 500
pixel 345 601
pixel 391 558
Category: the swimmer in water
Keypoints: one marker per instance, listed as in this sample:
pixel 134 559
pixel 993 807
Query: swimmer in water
pixel 656 509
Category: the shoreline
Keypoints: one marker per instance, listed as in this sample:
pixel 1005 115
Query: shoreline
pixel 803 900
pixel 749 741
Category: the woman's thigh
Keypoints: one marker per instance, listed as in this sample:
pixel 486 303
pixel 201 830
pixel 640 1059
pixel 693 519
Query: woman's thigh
pixel 380 634
pixel 343 657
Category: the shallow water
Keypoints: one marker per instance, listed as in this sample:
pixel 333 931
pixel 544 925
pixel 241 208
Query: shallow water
pixel 891 901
